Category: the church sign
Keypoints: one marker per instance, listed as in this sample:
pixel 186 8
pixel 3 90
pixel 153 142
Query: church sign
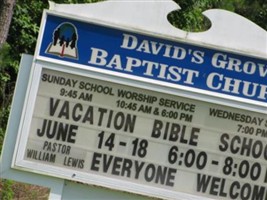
pixel 105 107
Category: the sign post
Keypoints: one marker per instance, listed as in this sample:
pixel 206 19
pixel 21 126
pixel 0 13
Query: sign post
pixel 129 110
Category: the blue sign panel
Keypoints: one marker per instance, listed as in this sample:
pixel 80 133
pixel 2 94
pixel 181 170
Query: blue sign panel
pixel 154 58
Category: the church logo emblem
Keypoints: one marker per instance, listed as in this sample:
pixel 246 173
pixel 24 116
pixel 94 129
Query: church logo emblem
pixel 64 41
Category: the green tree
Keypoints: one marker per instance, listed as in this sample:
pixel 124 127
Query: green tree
pixel 190 16
pixel 6 11
pixel 6 90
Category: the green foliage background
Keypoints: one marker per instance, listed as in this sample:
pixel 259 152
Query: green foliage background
pixel 190 16
pixel 25 26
